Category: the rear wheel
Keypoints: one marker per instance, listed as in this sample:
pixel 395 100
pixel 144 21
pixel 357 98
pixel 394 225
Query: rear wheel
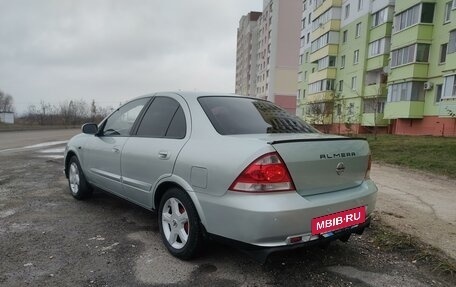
pixel 179 224
pixel 79 187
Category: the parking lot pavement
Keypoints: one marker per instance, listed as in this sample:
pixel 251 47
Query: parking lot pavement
pixel 49 239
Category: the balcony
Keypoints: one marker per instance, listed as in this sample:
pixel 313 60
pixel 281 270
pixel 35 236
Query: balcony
pixel 380 31
pixel 446 107
pixel 325 96
pixel 375 90
pixel 409 71
pixel 328 73
pixel 377 62
pixel 450 63
pixel 404 110
pixel 328 50
pixel 325 6
pixel 372 119
pixel 332 25
pixel 410 35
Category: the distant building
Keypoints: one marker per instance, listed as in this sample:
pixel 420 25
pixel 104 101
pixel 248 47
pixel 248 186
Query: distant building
pixel 246 54
pixel 7 117
pixel 277 50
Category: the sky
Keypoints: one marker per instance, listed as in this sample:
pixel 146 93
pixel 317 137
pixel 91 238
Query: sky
pixel 114 50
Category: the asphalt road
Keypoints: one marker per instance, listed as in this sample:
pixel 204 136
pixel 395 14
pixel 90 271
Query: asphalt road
pixel 49 239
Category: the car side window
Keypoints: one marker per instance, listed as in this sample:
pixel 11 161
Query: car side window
pixel 164 118
pixel 122 120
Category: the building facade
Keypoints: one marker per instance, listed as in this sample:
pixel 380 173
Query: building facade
pixel 343 71
pixel 246 54
pixel 276 53
pixel 385 65
pixel 421 83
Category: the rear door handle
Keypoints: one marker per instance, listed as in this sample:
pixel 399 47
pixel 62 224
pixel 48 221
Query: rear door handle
pixel 116 149
pixel 163 154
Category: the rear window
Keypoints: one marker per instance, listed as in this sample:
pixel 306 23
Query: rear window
pixel 236 115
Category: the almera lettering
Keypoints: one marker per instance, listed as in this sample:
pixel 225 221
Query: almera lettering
pixel 337 155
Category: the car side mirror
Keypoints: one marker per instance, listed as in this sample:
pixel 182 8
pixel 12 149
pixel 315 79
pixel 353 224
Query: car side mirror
pixel 90 129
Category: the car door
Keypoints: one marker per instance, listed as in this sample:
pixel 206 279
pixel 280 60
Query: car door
pixel 102 152
pixel 149 154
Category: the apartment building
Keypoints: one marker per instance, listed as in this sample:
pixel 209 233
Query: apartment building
pixel 246 54
pixel 343 71
pixel 277 50
pixel 422 78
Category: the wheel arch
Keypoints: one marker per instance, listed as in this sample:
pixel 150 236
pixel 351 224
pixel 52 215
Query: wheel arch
pixel 171 182
pixel 68 157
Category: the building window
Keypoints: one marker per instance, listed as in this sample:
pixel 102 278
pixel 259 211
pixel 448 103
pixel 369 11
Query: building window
pixel 408 91
pixel 409 54
pixel 347 11
pixel 452 43
pixel 374 106
pixel 449 89
pixel 378 47
pixel 341 85
pixel 438 92
pixel 342 61
pixel 321 86
pixel 344 36
pixel 308 38
pixel 305 75
pixel 380 17
pixel 353 86
pixel 454 4
pixel 303 23
pixel 300 59
pixel 328 61
pixel 443 53
pixel 356 57
pixel 358 30
pixel 447 15
pixel 310 17
pixel 420 13
pixel 329 38
pixel 325 18
pixel 303 41
pixel 360 5
pixel 300 77
pixel 307 57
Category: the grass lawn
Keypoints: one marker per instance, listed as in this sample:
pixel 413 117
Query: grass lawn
pixel 434 154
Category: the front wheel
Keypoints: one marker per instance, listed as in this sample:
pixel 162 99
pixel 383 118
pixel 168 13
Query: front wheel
pixel 79 187
pixel 179 224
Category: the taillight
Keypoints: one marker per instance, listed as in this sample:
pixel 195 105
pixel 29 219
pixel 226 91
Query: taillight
pixel 266 174
pixel 369 163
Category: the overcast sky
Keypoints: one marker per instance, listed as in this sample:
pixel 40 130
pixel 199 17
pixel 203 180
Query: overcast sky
pixel 114 50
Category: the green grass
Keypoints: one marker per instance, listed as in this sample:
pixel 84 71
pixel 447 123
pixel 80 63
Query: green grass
pixel 427 153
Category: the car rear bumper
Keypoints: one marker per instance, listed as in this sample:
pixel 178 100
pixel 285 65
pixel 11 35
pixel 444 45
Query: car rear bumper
pixel 260 253
pixel 272 219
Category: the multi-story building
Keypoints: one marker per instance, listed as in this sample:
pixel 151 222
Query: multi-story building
pixel 276 54
pixel 422 80
pixel 344 78
pixel 383 63
pixel 246 54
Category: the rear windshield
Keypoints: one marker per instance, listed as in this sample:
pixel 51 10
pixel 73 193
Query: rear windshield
pixel 237 115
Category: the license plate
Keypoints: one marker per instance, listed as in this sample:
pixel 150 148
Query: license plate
pixel 338 220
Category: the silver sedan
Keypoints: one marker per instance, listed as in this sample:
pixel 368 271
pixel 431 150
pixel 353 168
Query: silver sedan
pixel 227 167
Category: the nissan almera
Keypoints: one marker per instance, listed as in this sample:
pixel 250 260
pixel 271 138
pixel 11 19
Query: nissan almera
pixel 226 166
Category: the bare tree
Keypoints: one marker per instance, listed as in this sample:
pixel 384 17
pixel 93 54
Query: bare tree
pixel 6 102
pixel 320 114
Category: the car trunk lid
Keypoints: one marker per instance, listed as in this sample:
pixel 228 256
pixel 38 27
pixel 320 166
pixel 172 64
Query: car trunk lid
pixel 323 164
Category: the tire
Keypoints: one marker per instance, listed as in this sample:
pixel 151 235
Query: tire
pixel 179 224
pixel 79 187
